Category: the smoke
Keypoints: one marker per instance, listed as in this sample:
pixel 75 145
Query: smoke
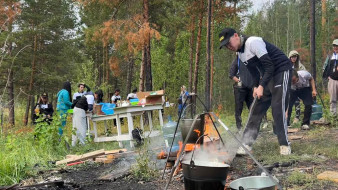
pixel 214 152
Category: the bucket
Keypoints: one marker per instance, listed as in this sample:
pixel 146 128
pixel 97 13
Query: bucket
pixel 186 124
pixel 253 182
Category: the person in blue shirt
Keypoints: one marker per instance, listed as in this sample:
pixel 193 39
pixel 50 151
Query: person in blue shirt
pixel 183 97
pixel 64 104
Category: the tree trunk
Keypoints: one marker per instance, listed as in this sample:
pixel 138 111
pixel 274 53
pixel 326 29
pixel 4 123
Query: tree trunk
pixel 142 72
pixel 324 36
pixel 148 74
pixel 197 56
pixel 312 38
pixel 107 64
pixel 212 56
pixel 11 102
pixel 31 82
pixel 130 74
pixel 191 50
pixel 208 65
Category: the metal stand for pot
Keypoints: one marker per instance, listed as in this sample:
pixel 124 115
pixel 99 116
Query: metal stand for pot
pixel 186 139
pixel 227 129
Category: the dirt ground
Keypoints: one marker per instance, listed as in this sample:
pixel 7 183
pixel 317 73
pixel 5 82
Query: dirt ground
pixel 296 172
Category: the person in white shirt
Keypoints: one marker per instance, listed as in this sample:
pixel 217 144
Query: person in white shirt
pixel 302 87
pixel 116 97
pixel 90 100
pixel 132 95
pixel 81 91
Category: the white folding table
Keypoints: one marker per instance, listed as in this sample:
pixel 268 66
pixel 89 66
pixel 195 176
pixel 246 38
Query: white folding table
pixel 126 112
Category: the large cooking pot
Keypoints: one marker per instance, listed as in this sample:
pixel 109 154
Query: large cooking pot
pixel 253 183
pixel 202 169
pixel 186 124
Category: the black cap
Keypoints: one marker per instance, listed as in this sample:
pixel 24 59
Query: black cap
pixel 44 95
pixel 225 36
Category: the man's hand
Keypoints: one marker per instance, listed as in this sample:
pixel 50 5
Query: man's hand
pixel 314 93
pixel 258 92
pixel 235 79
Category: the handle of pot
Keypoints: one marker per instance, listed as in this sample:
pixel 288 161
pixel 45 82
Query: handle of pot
pixel 192 163
pixel 185 108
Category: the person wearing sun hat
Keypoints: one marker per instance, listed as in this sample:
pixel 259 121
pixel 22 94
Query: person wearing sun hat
pixel 331 73
pixel 271 89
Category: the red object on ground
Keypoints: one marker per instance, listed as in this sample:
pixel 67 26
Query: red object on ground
pixel 75 163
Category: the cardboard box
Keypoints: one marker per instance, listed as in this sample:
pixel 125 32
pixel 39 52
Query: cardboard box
pixel 151 97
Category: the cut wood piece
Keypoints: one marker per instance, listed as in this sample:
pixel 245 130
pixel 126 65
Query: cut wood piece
pixel 104 160
pixel 328 175
pixel 293 130
pixel 295 137
pixel 115 151
pixel 82 157
pixel 71 156
pixel 110 156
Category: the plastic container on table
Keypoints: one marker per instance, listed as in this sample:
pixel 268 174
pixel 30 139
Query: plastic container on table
pixel 70 111
pixel 134 101
pixel 108 108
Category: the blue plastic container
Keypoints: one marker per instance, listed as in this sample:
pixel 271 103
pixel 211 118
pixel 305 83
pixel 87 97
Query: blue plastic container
pixel 134 101
pixel 108 108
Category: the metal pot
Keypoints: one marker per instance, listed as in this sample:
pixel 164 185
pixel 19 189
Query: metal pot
pixel 253 183
pixel 203 170
pixel 186 124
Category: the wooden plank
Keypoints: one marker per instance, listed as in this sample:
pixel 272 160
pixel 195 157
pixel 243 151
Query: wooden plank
pixel 295 137
pixel 115 151
pixel 82 157
pixel 71 156
pixel 328 175
pixel 293 130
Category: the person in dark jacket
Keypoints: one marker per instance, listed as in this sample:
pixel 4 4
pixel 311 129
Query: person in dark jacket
pixel 242 88
pixel 43 109
pixel 79 121
pixel 64 103
pixel 272 89
pixel 331 73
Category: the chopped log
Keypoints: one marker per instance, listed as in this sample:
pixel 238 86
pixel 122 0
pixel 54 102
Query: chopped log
pixel 328 175
pixel 81 157
pixel 104 160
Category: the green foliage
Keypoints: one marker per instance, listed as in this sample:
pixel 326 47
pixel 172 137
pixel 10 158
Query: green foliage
pixel 44 133
pixel 299 178
pixel 145 168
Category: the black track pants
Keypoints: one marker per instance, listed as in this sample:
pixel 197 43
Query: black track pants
pixel 276 95
pixel 242 94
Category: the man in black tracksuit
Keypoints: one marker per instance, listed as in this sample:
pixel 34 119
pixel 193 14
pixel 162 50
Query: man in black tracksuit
pixel 242 88
pixel 272 89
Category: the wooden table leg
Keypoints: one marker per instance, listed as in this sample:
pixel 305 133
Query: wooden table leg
pixel 130 128
pixel 150 121
pixel 119 132
pixel 105 126
pixel 160 117
pixel 141 122
pixel 95 129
